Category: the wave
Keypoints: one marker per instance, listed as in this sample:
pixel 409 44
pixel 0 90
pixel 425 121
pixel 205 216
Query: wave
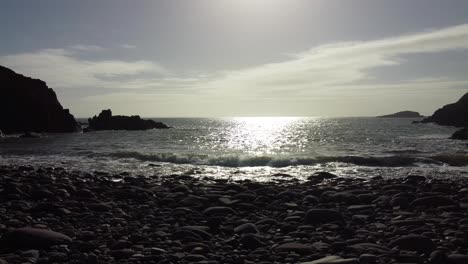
pixel 271 161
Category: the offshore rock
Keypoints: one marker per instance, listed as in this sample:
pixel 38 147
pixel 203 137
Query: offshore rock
pixel 461 134
pixel 106 121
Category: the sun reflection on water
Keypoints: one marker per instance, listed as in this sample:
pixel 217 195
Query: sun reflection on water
pixel 264 135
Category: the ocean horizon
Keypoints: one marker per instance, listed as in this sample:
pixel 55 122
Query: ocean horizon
pixel 254 147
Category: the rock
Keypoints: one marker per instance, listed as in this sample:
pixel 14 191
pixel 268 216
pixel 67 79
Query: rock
pixel 32 253
pixel 322 175
pixel 181 188
pixel 295 247
pixel 415 178
pixel 321 216
pixel 27 104
pixel 199 230
pixel 370 248
pixel 194 258
pixel 461 134
pixel 106 121
pixel 333 260
pixel 247 228
pixel 251 241
pixel 219 210
pixel 402 114
pixel 99 207
pixel 30 135
pixel 367 259
pixel 121 244
pixel 452 114
pixel 122 253
pixel 457 259
pixel 436 200
pixel 438 257
pixel 33 238
pixel 413 243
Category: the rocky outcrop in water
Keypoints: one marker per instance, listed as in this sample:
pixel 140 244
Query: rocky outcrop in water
pixel 461 134
pixel 402 114
pixel 106 121
pixel 455 114
pixel 27 104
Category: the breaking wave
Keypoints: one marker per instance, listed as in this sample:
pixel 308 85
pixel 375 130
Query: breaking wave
pixel 255 161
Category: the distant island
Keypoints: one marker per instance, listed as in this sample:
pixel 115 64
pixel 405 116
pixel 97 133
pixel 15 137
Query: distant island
pixel 402 114
pixel 28 105
pixel 106 121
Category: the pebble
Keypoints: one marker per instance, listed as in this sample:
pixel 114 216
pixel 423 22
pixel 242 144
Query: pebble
pixel 413 243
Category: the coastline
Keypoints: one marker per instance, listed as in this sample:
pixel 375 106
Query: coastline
pixel 181 219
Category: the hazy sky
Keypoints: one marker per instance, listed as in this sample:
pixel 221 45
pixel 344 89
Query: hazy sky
pixel 241 57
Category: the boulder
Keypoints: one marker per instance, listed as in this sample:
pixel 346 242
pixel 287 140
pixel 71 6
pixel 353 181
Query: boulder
pixel 455 114
pixel 106 121
pixel 402 114
pixel 28 105
pixel 33 238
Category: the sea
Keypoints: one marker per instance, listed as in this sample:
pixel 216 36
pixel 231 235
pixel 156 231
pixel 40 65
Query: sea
pixel 253 148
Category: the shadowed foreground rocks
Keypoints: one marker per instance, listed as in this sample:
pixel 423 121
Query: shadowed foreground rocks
pixel 27 105
pixel 106 121
pixel 50 215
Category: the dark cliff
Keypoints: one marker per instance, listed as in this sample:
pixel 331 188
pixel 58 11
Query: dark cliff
pixel 27 104
pixel 455 114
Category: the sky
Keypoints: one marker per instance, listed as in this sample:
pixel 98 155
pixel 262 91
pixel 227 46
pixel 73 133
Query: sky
pixel 215 58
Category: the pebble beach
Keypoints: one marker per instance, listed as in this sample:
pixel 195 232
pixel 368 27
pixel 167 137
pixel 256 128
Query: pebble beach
pixel 51 215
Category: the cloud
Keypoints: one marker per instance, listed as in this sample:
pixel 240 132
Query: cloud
pixel 127 46
pixel 82 47
pixel 331 67
pixel 63 68
pixel 333 73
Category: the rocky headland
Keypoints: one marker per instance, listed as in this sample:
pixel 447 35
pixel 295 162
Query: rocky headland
pixel 28 105
pixel 455 114
pixel 51 215
pixel 402 114
pixel 106 121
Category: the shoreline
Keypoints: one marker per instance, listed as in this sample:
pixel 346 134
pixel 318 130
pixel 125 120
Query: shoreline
pixel 104 218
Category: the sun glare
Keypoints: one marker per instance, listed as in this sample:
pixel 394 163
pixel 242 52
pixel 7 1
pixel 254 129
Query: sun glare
pixel 260 134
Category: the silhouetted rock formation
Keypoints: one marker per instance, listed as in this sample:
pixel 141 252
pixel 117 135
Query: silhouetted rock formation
pixel 403 114
pixel 105 121
pixel 27 104
pixel 461 134
pixel 455 114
